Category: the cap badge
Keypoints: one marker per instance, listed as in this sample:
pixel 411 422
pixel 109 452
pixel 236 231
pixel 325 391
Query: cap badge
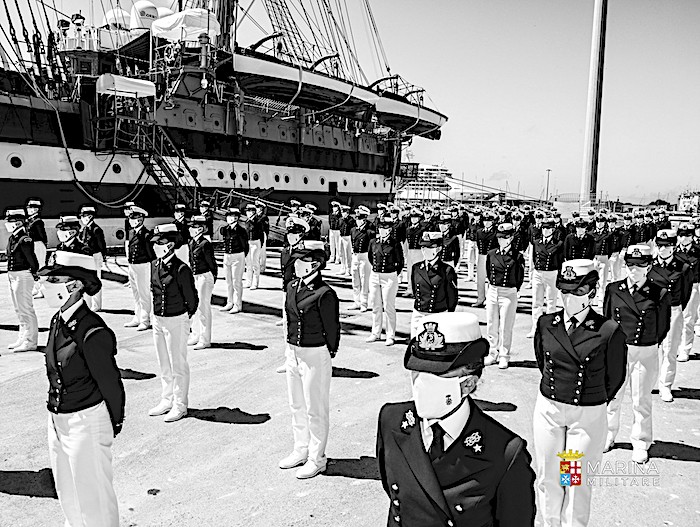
pixel 569 273
pixel 663 235
pixel 636 253
pixel 431 338
pixel 473 442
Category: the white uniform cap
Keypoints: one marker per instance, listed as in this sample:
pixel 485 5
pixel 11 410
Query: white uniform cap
pixel 165 227
pixel 314 244
pixel 362 210
pixel 136 210
pixel 70 259
pixel 292 221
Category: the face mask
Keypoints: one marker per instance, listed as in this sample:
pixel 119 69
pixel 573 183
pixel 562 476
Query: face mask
pixel 11 226
pixel 546 232
pixel 85 220
pixel 600 224
pixel 161 250
pixel 436 396
pixel 179 216
pixel 580 231
pixel 360 222
pixel 303 269
pixel 516 223
pixel 203 210
pixel 194 231
pixel 637 274
pixel 430 253
pixel 135 222
pixel 444 227
pixel 259 212
pixel 293 238
pixel 573 304
pixel 345 214
pixel 415 220
pixel 384 233
pixel 487 224
pixel 231 220
pixel 504 243
pixel 685 240
pixel 628 223
pixel 64 236
pixel 56 294
pixel 665 251
pixel 32 210
pixel 249 213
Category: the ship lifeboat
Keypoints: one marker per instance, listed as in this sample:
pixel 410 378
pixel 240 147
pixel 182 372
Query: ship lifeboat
pixel 400 114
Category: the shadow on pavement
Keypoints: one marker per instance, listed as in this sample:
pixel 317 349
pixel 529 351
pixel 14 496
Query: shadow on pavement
pixel 135 375
pixel 522 364
pixel 234 416
pixel 364 468
pixel 12 327
pixel 668 450
pixel 238 346
pixel 488 406
pixel 686 393
pixel 35 484
pixel 353 374
pixel 117 311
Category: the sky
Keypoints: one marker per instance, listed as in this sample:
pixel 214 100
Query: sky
pixel 512 76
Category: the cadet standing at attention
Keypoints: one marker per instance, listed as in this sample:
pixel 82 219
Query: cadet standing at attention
pixel 37 232
pixel 256 235
pixel 434 282
pixel 235 251
pixel 689 251
pixel 93 236
pixel 547 255
pixel 347 223
pixel 579 244
pixel 582 357
pixel 643 310
pixel 442 460
pixel 505 268
pixel 205 271
pixel 22 267
pixel 334 232
pixel 485 241
pixel 261 212
pixel 414 235
pixel 386 259
pixel 140 258
pixel 175 302
pixel 86 395
pixel 182 248
pixel 67 230
pixel 360 235
pixel 313 337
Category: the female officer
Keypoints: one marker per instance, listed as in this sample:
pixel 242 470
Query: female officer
pixel 582 357
pixel 86 395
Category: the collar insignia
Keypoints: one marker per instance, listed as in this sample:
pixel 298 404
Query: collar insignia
pixel 623 286
pixel 589 324
pixel 473 442
pixel 409 421
pixel 556 320
pixel 71 324
pixel 431 338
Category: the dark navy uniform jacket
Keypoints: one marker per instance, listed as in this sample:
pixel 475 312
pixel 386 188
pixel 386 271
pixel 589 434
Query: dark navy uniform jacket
pixel 93 236
pixel 346 225
pixel 491 486
pixel 313 315
pixel 521 239
pixel 691 256
pixel 385 257
pixel 676 276
pixel 644 317
pixel 255 228
pixel 603 239
pixel 450 249
pixel 434 288
pixel 505 269
pixel 81 366
pixel 584 368
pixel 547 256
pixel 314 229
pixel 173 289
pixel 628 236
pixel 20 253
pixel 577 248
pixel 334 221
pixel 37 230
pixel 486 239
pixel 360 238
pixel 286 266
pixel 184 229
pixel 202 258
pixel 235 239
pixel 140 248
pixel 414 234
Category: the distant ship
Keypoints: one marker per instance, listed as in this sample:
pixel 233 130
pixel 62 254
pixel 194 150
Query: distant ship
pixel 157 106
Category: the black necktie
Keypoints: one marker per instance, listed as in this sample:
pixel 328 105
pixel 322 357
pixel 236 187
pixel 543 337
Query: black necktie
pixel 437 447
pixel 634 289
pixel 573 325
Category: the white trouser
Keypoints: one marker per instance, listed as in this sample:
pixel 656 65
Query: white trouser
pixel 617 260
pixel 234 265
pixel 481 279
pixel 252 263
pixel 170 338
pixel 471 257
pixel 416 318
pixel 501 304
pixel 460 241
pixel 263 256
pixel 382 300
pixel 544 291
pixel 201 321
pixel 345 254
pixel 334 240
pixel 40 253
pixel 413 257
pixel 602 263
pixel 183 253
pixel 140 282
pixel 529 261
pixel 669 348
pixel 642 376
pixel 284 315
pixel 95 301
pixel 690 317
pixel 308 386
pixel 21 285
pixel 561 427
pixel 360 278
pixel 80 451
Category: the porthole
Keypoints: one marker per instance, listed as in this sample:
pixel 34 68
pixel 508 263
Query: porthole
pixel 119 234
pixel 277 178
pixel 15 161
pixel 294 135
pixel 306 180
pixel 364 183
pixel 220 174
pixel 375 184
pixel 286 178
pixel 283 134
pixel 195 174
pixel 244 176
pixel 345 182
pixel 232 175
pixel 216 123
pixel 79 166
pixel 190 119
pixel 256 176
pixel 263 130
pixel 335 141
pixel 320 139
pixel 323 180
pixel 116 168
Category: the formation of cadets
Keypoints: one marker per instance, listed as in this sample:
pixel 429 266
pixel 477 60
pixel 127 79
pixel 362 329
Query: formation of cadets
pixel 629 287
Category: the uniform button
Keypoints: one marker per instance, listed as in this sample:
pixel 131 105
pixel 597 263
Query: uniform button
pixel 55 408
pixel 450 523
pixel 58 381
pixel 551 378
pixel 579 383
pixel 578 391
pixel 587 359
pixel 552 396
pixel 575 400
pixel 396 503
pixel 459 508
pixel 397 519
pixel 580 374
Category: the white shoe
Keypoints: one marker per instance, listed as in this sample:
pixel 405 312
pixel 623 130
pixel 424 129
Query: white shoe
pixel 281 369
pixel 143 327
pixel 372 338
pixel 531 334
pixel 389 342
pixel 14 344
pixel 201 346
pixel 279 322
pixel 163 407
pixel 666 395
pixel 234 310
pixel 503 363
pixel 609 443
pixel 38 295
pixel 640 456
pixel 227 307
pixel 309 470
pixel 25 347
pixel 683 357
pixel 490 360
pixel 191 341
pixel 293 460
pixel 132 324
pixel 363 309
pixel 175 415
pixel 253 287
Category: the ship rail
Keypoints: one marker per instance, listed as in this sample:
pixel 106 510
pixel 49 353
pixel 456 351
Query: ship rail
pixel 222 200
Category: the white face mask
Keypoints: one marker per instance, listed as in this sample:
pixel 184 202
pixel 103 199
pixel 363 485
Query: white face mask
pixel 85 219
pixel 435 396
pixel 303 269
pixel 345 214
pixel 135 222
pixel 293 238
pixel 203 210
pixel 161 250
pixel 231 220
pixel 487 224
pixel 580 231
pixel 430 253
pixel 64 236
pixel 444 227
pixel 547 232
pixel 384 232
pixel 56 294
pixel 32 210
pixel 504 243
pixel 638 274
pixel 11 226
pixel 415 220
pixel 249 213
pixel 360 222
pixel 179 216
pixel 194 231
pixel 665 251
pixel 573 304
pixel 685 240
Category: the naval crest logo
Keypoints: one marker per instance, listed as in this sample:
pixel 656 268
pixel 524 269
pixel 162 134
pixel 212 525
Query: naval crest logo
pixel 637 253
pixel 431 338
pixel 570 468
pixel 568 273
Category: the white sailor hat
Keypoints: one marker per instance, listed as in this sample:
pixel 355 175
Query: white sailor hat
pixel 431 239
pixel 345 207
pixel 88 210
pixel 250 206
pixel 445 217
pixel 381 206
pixel 165 231
pixel 198 220
pixel 34 202
pixel 127 207
pixel 416 212
pixel 666 237
pixel 576 274
pixel 137 212
pixel 294 202
pixel 686 229
pixel 68 223
pixel 304 210
pixel 77 266
pixel 295 224
pixel 205 203
pixel 362 210
pixel 313 208
pixel 180 207
pixel 233 211
pixel 15 214
pixel 312 250
pixel 335 203
pixel 638 254
pixel 505 230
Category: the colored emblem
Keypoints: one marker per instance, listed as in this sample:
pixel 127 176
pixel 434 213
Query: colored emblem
pixel 568 273
pixel 431 338
pixel 570 468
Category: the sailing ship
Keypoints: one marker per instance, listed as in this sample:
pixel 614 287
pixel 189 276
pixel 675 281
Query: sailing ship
pixel 177 103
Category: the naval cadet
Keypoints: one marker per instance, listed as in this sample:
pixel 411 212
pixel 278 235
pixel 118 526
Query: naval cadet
pixel 675 275
pixel 22 267
pixel 140 256
pixel 67 232
pixel 689 251
pixel 471 245
pixel 360 237
pixel 347 223
pixel 334 232
pixel 579 244
pixel 205 210
pixel 205 270
pixel 505 272
pixel 36 230
pixel 414 234
pixel 261 213
pixel 180 217
pixel 308 214
pixel 175 301
pixel 485 241
pixel 86 395
pixel 92 235
pixel 386 261
pixel 256 236
pixel 602 251
pixel 547 255
pixel 434 282
pixel 626 237
pixel 571 225
pixel 642 308
pixel 582 357
pixel 450 241
pixel 235 251
pixel 442 460
pixel 313 337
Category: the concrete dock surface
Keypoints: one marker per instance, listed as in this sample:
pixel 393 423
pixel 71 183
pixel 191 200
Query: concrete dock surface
pixel 218 467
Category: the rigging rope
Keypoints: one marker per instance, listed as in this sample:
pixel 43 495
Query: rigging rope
pixel 376 32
